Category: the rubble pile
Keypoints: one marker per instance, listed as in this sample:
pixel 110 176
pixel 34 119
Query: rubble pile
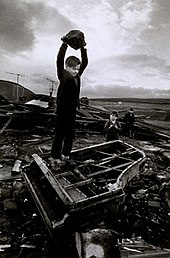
pixel 147 207
pixel 146 212
pixel 18 231
pixel 22 231
pixel 145 215
pixel 40 116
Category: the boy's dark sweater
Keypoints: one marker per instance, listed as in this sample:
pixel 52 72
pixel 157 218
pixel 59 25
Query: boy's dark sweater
pixel 69 88
pixel 129 118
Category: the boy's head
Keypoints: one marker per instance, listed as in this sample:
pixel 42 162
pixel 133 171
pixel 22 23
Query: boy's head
pixel 73 65
pixel 131 109
pixel 113 115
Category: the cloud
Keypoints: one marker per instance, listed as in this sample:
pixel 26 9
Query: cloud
pixel 127 41
pixel 111 31
pixel 154 40
pixel 141 60
pixel 118 91
pixel 129 70
pixel 160 14
pixel 16 33
pixel 49 21
pixel 136 15
pixel 23 24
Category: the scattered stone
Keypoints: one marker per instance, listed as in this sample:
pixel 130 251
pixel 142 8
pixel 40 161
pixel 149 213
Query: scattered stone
pixel 9 204
pixel 16 168
pixel 5 191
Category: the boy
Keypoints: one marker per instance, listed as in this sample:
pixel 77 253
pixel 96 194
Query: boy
pixel 67 101
pixel 112 127
pixel 130 120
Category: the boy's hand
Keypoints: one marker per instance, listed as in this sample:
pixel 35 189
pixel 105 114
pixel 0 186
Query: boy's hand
pixel 75 39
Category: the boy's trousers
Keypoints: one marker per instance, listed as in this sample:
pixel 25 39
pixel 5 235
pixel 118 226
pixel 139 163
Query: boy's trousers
pixel 64 135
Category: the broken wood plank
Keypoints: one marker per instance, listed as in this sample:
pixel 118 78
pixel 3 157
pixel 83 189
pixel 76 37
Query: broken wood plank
pixel 67 173
pixel 53 181
pixel 119 166
pixel 151 255
pixel 5 126
pixel 102 172
pixel 74 193
pixel 105 153
pixel 81 183
pixel 17 167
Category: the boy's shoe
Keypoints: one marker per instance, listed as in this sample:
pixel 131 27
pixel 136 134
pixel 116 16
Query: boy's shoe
pixel 55 163
pixel 68 161
pixel 64 158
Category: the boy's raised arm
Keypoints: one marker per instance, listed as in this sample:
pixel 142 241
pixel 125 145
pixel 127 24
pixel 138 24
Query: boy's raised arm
pixel 60 59
pixel 84 59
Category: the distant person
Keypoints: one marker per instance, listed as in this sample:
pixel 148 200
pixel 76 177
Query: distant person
pixel 67 95
pixel 112 127
pixel 129 120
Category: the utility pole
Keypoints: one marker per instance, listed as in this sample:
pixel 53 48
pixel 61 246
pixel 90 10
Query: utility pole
pixel 52 86
pixel 17 82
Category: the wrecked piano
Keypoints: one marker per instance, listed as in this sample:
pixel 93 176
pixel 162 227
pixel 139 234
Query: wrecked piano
pixel 89 190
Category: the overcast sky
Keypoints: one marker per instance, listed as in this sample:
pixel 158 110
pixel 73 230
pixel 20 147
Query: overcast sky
pixel 128 42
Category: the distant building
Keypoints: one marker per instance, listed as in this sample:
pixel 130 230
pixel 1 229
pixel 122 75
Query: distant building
pixel 15 92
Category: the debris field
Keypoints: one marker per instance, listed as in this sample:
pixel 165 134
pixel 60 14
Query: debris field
pixel 143 224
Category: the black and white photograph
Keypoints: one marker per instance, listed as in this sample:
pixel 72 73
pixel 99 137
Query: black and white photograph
pixel 84 129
